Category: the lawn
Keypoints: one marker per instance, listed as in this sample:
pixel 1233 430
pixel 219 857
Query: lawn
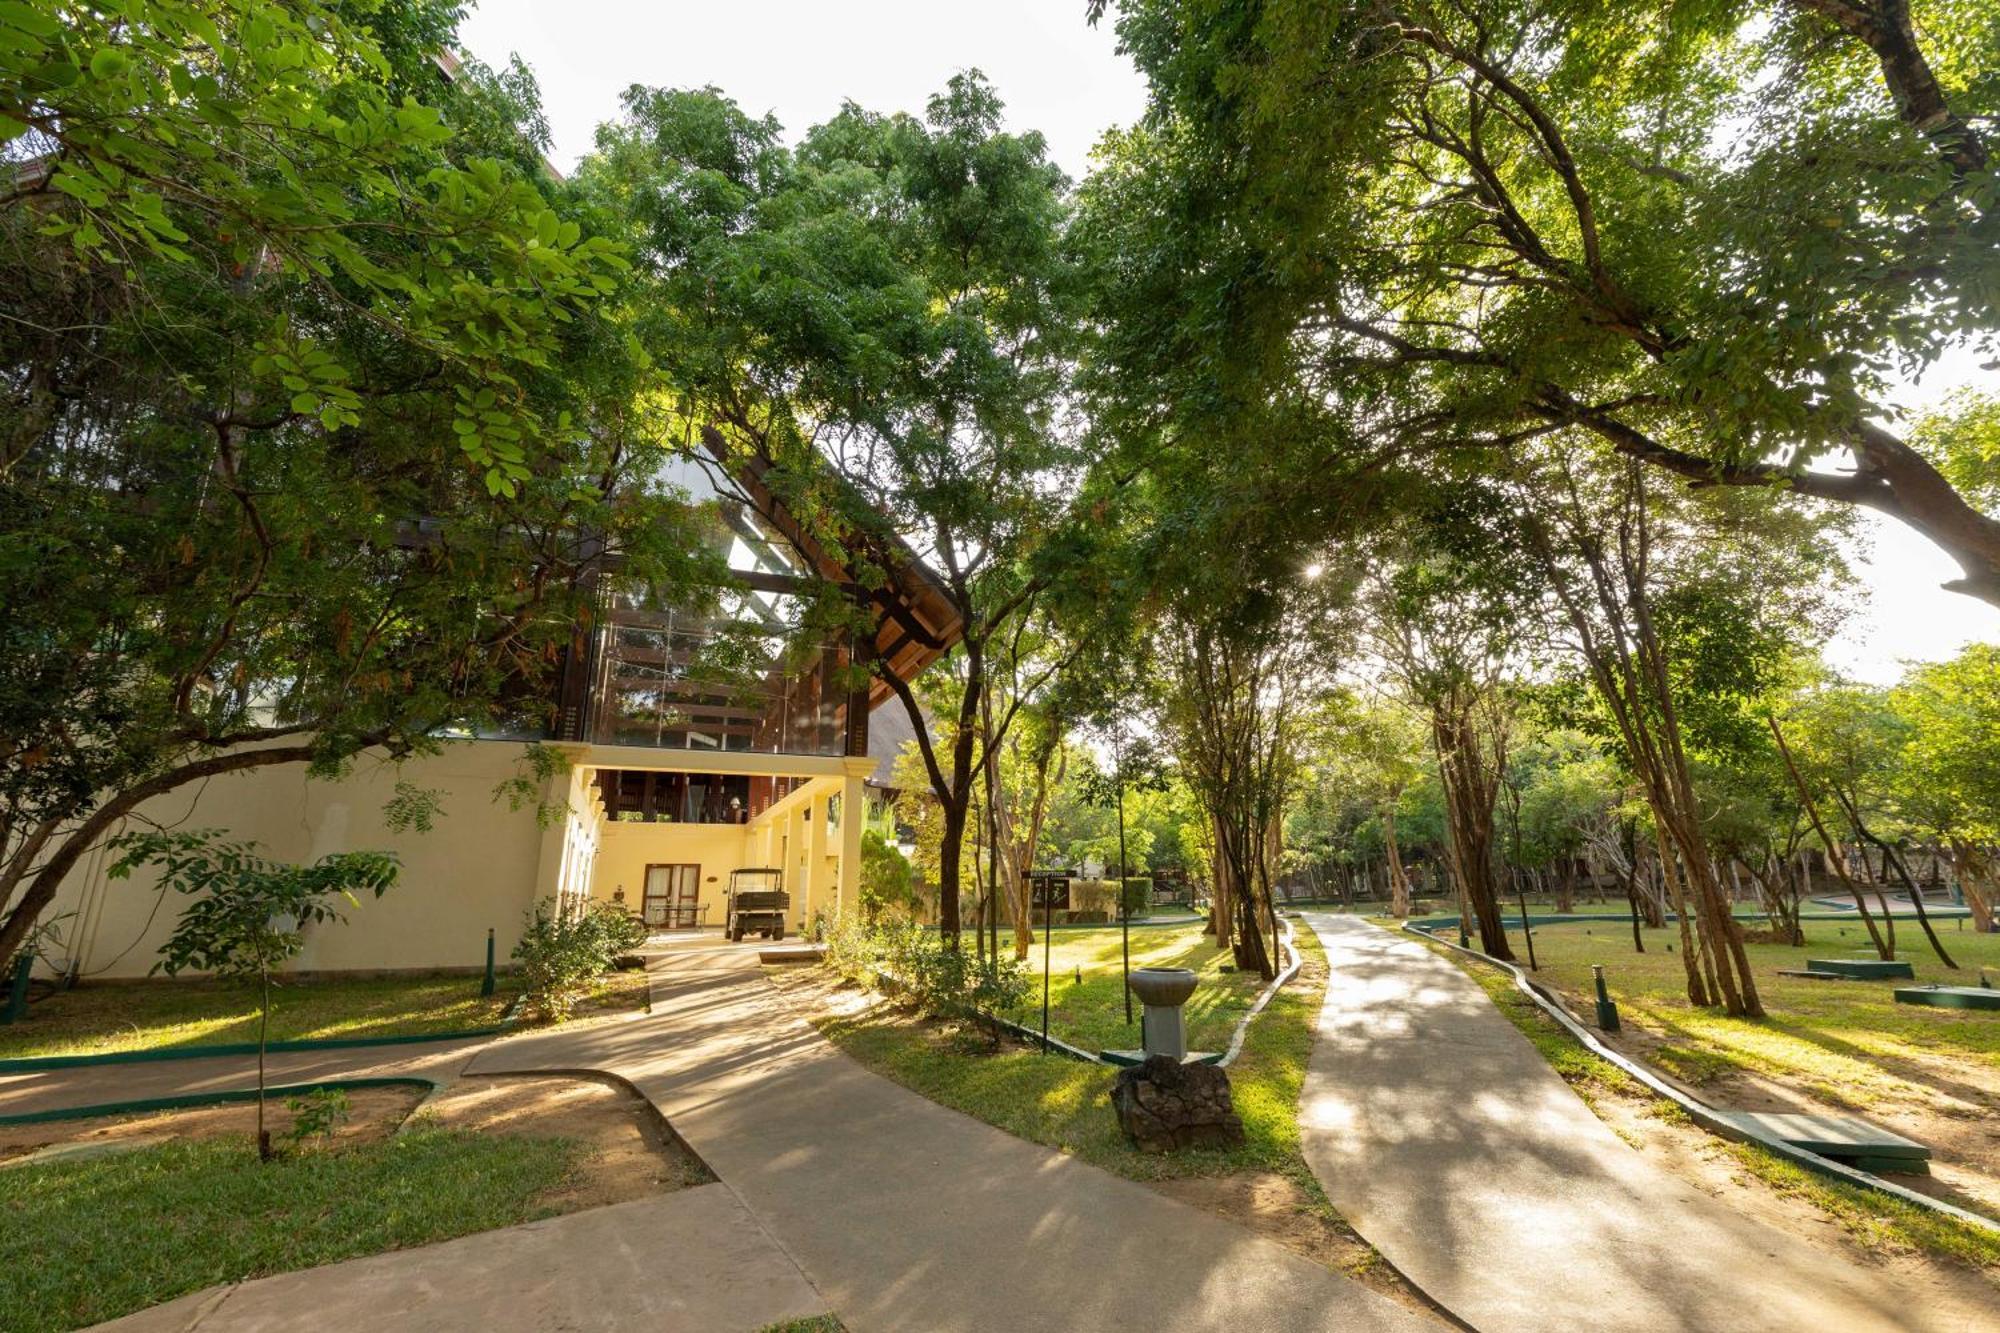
pixel 1849 1042
pixel 1871 1217
pixel 86 1241
pixel 161 1014
pixel 1091 1014
pixel 1066 1104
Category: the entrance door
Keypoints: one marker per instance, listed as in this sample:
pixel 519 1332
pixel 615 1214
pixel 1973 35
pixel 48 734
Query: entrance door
pixel 673 896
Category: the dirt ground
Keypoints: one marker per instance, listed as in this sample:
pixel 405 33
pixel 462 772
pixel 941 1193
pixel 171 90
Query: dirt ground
pixel 1277 1209
pixel 632 1153
pixel 1950 1105
pixel 1707 1163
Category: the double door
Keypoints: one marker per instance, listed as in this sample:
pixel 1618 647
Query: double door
pixel 673 897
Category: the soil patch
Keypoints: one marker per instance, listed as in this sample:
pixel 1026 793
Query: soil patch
pixel 375 1114
pixel 632 1152
pixel 1706 1162
pixel 1948 1105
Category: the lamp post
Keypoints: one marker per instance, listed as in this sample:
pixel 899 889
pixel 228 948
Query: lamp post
pixel 1048 933
pixel 1124 907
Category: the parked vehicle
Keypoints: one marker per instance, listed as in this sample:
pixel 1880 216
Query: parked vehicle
pixel 757 904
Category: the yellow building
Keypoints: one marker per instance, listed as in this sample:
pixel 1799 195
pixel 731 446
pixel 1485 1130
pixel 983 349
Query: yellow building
pixel 687 744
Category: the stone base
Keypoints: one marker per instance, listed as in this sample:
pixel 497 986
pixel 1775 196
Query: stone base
pixel 1163 1105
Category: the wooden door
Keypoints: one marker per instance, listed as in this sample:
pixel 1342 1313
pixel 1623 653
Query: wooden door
pixel 673 896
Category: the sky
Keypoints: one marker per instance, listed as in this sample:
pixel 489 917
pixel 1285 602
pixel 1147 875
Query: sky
pixel 800 59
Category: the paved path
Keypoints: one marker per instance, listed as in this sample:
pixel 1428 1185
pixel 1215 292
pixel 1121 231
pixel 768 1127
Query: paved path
pixel 1448 1142
pixel 689 1262
pixel 906 1215
pixel 837 1190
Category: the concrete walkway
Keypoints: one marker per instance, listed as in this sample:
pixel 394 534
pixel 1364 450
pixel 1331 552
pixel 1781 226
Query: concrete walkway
pixel 1448 1142
pixel 838 1190
pixel 906 1215
pixel 690 1262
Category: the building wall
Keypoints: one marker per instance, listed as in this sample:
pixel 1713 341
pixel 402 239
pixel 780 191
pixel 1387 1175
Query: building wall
pixel 483 864
pixel 477 867
pixel 624 850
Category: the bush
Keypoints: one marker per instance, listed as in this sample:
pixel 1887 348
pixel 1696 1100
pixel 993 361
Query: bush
pixel 316 1115
pixel 1096 897
pixel 560 955
pixel 937 981
pixel 1138 895
pixel 623 932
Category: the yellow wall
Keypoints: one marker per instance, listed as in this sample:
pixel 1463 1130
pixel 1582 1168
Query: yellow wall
pixel 483 864
pixel 625 850
pixel 477 867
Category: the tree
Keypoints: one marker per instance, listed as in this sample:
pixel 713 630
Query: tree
pixel 889 883
pixel 321 425
pixel 1849 740
pixel 1706 236
pixel 1947 777
pixel 1443 636
pixel 876 324
pixel 248 915
pixel 1378 749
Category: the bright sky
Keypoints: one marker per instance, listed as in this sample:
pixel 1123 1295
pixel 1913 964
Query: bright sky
pixel 799 59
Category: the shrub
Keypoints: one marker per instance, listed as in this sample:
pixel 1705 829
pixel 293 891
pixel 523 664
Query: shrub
pixel 316 1115
pixel 622 931
pixel 1138 895
pixel 560 955
pixel 915 964
pixel 1092 899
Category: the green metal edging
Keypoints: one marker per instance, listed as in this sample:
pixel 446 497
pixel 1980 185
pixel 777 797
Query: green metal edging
pixel 185 1100
pixel 29 1064
pixel 1513 922
pixel 1286 973
pixel 1700 1112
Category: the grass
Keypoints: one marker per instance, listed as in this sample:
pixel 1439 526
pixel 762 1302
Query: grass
pixel 1872 1218
pixel 164 1015
pixel 1841 1040
pixel 82 1242
pixel 1091 1013
pixel 161 1015
pixel 1066 1104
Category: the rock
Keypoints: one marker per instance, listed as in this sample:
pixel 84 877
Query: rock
pixel 1163 1105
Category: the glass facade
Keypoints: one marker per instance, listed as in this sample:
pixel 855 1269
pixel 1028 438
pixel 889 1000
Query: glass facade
pixel 735 674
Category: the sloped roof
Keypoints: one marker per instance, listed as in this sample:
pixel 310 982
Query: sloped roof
pixel 916 622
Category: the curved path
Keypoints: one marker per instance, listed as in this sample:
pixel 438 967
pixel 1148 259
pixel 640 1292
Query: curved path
pixel 907 1215
pixel 1448 1142
pixel 837 1189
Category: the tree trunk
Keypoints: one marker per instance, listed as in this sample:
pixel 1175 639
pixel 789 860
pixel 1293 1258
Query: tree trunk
pixel 1399 883
pixel 1972 867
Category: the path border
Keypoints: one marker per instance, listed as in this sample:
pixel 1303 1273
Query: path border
pixel 1698 1111
pixel 182 1101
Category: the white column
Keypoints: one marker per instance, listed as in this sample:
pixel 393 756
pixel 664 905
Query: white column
pixel 853 807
